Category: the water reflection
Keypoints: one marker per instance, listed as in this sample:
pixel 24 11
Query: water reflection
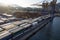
pixel 56 29
pixel 50 32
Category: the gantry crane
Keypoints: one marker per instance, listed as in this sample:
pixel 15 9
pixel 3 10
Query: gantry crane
pixel 53 5
pixel 46 4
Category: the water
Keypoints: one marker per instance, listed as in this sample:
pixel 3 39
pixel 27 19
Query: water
pixel 50 32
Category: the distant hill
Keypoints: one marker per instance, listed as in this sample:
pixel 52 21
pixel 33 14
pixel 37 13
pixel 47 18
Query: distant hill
pixel 12 8
pixel 9 8
pixel 58 7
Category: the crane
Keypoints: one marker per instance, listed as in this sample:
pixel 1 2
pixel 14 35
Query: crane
pixel 46 4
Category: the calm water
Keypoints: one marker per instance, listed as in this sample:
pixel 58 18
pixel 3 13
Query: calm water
pixel 50 32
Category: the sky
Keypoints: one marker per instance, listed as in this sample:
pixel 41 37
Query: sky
pixel 23 3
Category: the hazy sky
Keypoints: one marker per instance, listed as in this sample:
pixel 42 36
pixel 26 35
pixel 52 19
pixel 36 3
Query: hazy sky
pixel 24 3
